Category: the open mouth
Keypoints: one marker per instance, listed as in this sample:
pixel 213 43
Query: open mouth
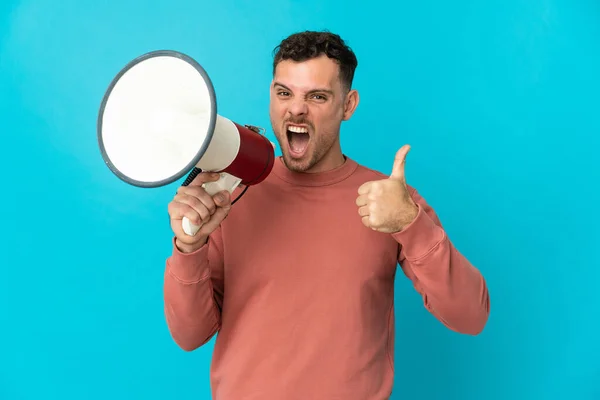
pixel 298 139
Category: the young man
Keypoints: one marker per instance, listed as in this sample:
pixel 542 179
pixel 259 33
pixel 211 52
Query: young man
pixel 298 281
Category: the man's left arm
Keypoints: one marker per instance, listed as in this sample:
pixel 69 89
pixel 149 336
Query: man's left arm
pixel 453 290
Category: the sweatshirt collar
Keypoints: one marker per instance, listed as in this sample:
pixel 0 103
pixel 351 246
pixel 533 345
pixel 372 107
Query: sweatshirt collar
pixel 314 178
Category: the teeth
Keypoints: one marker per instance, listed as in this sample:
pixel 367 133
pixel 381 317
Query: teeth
pixel 298 129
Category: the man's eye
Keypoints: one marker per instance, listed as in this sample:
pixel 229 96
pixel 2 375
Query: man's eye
pixel 283 93
pixel 319 97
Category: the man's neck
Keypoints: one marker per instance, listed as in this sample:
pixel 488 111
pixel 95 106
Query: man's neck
pixel 332 160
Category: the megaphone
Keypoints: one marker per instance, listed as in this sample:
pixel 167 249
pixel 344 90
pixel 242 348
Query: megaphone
pixel 158 121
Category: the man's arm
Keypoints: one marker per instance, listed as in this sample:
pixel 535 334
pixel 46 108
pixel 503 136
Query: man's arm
pixel 193 293
pixel 453 290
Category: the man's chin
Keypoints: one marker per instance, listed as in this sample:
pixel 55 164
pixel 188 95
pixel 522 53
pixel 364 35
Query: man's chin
pixel 297 164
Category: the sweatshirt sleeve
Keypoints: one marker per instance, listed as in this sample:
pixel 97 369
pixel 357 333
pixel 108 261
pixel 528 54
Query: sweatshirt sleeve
pixel 453 290
pixel 193 293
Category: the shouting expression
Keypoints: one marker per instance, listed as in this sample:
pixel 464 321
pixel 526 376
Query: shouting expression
pixel 308 103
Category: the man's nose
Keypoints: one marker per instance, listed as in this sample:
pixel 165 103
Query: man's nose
pixel 298 107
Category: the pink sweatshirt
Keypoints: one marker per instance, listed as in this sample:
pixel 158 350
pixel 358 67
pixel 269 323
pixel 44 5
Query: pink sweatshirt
pixel 301 293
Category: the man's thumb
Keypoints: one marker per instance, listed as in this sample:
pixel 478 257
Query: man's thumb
pixel 399 161
pixel 223 199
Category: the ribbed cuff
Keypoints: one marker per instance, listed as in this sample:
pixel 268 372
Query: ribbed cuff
pixel 189 267
pixel 420 236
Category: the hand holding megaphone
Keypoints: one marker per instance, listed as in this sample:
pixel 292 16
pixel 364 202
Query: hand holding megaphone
pixel 213 183
pixel 196 212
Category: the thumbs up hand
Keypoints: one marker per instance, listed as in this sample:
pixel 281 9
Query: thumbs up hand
pixel 386 205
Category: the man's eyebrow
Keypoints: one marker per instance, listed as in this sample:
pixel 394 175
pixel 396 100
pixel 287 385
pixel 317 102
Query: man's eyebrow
pixel 282 85
pixel 329 91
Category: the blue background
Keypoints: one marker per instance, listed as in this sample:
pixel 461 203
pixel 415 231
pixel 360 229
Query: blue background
pixel 500 101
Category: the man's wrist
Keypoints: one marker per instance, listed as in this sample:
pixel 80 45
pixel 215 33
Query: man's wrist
pixel 190 248
pixel 407 219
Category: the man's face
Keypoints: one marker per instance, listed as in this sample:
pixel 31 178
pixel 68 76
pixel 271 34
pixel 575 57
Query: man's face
pixel 307 105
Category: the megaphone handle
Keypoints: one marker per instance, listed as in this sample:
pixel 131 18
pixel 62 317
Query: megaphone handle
pixel 226 182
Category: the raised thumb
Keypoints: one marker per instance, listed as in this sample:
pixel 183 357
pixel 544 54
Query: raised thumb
pixel 399 161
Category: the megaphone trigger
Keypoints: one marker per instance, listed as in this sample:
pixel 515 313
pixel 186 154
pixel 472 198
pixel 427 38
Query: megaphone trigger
pixel 226 182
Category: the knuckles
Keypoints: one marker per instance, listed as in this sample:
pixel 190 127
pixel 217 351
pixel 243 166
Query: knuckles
pixel 196 220
pixel 196 199
pixel 195 191
pixel 375 221
pixel 376 189
pixel 373 208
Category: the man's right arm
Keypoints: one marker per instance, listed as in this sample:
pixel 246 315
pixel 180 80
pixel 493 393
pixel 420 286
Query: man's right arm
pixel 193 278
pixel 193 293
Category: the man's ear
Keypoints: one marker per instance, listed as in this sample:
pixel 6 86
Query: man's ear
pixel 352 100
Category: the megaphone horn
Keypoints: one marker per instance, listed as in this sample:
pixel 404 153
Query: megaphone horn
pixel 158 121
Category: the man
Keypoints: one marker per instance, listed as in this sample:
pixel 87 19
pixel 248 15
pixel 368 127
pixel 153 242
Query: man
pixel 298 281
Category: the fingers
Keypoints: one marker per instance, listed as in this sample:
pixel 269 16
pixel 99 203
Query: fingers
pixel 362 200
pixel 372 188
pixel 196 196
pixel 368 212
pixel 194 203
pixel 364 211
pixel 365 221
pixel 365 188
pixel 223 202
pixel 203 211
pixel 204 177
pixel 178 210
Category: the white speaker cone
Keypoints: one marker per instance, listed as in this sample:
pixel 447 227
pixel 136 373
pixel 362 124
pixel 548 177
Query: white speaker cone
pixel 157 119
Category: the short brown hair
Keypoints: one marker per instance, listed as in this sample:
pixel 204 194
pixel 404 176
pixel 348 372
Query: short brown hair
pixel 302 46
